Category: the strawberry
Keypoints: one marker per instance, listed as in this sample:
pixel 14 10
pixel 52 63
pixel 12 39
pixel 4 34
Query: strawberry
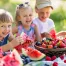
pixel 44 45
pixel 62 57
pixel 55 64
pixel 53 58
pixel 48 58
pixel 50 46
pixel 62 45
pixel 64 61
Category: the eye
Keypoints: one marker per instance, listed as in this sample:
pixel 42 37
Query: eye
pixel 25 15
pixel 9 26
pixel 47 12
pixel 30 15
pixel 3 26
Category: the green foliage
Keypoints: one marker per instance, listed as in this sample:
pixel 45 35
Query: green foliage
pixel 4 1
pixel 59 18
pixel 58 15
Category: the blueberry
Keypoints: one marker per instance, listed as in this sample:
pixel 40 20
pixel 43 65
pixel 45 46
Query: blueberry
pixel 23 56
pixel 55 47
pixel 38 43
pixel 24 62
pixel 4 54
pixel 42 40
pixel 46 65
pixel 27 60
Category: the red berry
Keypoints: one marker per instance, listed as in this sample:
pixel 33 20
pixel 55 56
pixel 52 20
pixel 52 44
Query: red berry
pixel 53 58
pixel 50 46
pixel 64 61
pixel 43 45
pixel 48 58
pixel 62 57
pixel 55 64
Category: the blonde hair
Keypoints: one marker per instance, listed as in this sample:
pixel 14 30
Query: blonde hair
pixel 19 8
pixel 5 16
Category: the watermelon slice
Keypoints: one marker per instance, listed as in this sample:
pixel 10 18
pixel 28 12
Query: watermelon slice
pixel 53 34
pixel 17 56
pixel 12 59
pixel 33 54
pixel 26 37
pixel 24 51
pixel 27 42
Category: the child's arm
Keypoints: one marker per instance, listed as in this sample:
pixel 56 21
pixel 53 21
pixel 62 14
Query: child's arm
pixel 13 42
pixel 38 35
pixel 9 45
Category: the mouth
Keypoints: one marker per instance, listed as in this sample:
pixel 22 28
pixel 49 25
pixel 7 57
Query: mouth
pixel 28 21
pixel 5 33
pixel 43 19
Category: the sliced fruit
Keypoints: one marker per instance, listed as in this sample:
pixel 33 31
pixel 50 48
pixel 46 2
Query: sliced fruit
pixel 33 54
pixel 17 56
pixel 27 42
pixel 53 34
pixel 36 55
pixel 26 37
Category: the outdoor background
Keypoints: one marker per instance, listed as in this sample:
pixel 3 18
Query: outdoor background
pixel 58 15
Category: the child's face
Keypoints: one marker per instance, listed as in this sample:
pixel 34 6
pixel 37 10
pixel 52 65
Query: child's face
pixel 26 17
pixel 5 28
pixel 44 13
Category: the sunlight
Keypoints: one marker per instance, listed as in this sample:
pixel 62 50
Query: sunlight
pixel 56 3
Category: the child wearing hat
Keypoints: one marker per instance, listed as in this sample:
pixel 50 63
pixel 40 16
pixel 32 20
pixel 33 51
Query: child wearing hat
pixel 45 25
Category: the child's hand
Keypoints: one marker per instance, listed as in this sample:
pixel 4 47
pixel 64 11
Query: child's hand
pixel 20 40
pixel 45 34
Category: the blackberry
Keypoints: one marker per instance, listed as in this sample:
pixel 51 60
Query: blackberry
pixel 38 43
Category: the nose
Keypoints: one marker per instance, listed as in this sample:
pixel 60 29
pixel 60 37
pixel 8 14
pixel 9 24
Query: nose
pixel 7 29
pixel 28 17
pixel 44 15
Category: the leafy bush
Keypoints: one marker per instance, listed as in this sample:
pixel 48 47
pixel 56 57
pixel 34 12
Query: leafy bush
pixel 59 18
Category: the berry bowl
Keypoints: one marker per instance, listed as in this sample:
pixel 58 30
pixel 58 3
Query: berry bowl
pixel 51 48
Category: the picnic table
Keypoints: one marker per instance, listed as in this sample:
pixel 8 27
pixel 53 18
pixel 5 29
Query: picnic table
pixel 45 63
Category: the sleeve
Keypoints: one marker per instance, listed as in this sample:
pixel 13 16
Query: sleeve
pixel 35 21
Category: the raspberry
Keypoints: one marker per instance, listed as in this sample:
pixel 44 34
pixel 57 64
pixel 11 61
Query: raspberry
pixel 48 58
pixel 64 61
pixel 62 57
pixel 55 64
pixel 53 58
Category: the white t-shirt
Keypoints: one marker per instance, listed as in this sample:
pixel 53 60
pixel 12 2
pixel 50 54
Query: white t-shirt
pixel 44 26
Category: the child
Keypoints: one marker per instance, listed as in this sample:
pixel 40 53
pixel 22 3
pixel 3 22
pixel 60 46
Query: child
pixel 24 16
pixel 45 25
pixel 6 32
